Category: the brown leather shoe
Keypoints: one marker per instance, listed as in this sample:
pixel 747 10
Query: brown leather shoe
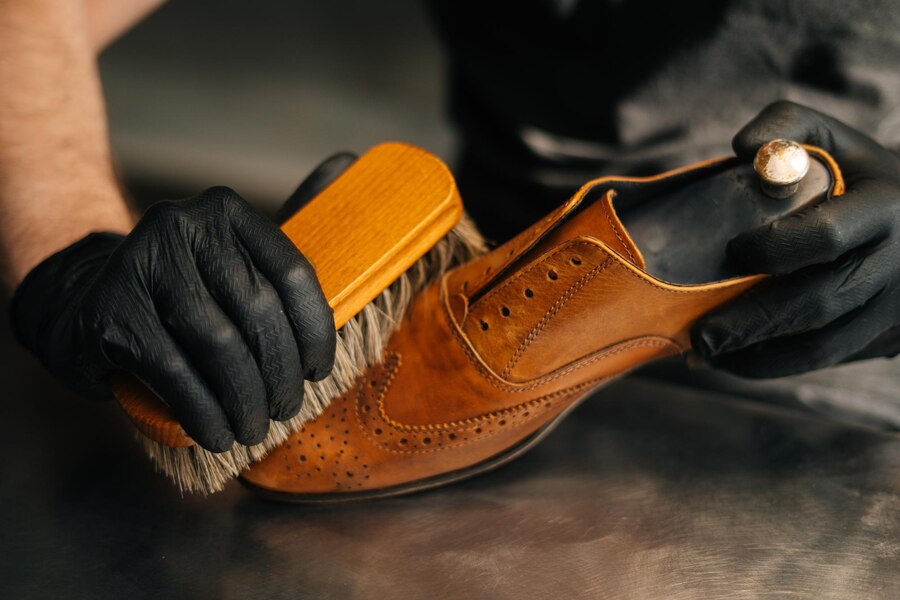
pixel 492 357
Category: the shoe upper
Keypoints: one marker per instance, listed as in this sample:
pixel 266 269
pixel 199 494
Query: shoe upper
pixel 499 349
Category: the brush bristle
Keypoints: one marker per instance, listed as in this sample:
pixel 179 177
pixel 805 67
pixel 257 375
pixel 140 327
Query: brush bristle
pixel 360 344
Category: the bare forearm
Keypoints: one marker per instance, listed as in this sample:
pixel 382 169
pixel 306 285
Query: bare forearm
pixel 56 178
pixel 108 19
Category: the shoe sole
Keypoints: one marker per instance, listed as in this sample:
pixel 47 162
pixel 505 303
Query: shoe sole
pixel 422 485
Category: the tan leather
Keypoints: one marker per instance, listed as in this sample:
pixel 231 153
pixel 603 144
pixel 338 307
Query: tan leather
pixel 498 349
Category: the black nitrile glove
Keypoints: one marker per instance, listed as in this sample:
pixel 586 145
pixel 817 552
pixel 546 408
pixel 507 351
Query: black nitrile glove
pixel 836 294
pixel 206 301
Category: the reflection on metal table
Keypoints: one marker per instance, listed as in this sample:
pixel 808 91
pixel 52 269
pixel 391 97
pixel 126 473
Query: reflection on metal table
pixel 653 488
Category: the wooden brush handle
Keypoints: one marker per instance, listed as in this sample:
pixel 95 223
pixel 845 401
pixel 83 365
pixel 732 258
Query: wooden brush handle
pixel 360 233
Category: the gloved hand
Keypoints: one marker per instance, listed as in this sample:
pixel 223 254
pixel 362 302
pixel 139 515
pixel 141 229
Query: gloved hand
pixel 206 301
pixel 836 294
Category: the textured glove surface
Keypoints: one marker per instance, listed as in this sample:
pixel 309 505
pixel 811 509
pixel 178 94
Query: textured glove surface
pixel 836 294
pixel 206 301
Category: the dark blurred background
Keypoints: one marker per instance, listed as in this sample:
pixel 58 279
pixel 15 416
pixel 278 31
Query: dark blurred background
pixel 255 95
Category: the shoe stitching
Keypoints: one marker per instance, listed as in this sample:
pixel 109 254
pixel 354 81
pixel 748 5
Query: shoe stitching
pixel 552 312
pixel 399 428
pixel 513 279
pixel 456 425
pixel 481 419
pixel 616 229
pixel 676 291
pixel 600 354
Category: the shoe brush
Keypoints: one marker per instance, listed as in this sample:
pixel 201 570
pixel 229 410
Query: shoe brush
pixel 391 224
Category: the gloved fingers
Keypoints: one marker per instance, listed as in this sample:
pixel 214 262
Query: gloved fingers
pixel 216 347
pixel 162 365
pixel 855 152
pixel 315 182
pixel 294 278
pixel 792 305
pixel 817 349
pixel 253 305
pixel 813 235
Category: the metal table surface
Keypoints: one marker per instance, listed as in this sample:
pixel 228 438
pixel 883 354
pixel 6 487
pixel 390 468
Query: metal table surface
pixel 651 489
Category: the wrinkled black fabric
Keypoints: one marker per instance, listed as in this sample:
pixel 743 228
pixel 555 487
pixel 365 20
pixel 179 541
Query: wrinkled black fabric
pixel 835 296
pixel 206 301
pixel 548 94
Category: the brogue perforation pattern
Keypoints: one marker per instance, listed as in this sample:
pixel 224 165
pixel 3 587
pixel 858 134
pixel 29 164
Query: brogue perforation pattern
pixel 540 291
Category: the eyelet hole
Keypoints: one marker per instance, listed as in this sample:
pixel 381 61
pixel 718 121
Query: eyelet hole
pixel 529 293
pixel 552 275
pixel 576 260
pixel 504 311
pixel 484 326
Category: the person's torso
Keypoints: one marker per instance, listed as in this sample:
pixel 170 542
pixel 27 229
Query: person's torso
pixel 548 93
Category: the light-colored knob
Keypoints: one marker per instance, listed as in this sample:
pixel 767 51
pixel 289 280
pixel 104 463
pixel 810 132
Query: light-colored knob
pixel 781 166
